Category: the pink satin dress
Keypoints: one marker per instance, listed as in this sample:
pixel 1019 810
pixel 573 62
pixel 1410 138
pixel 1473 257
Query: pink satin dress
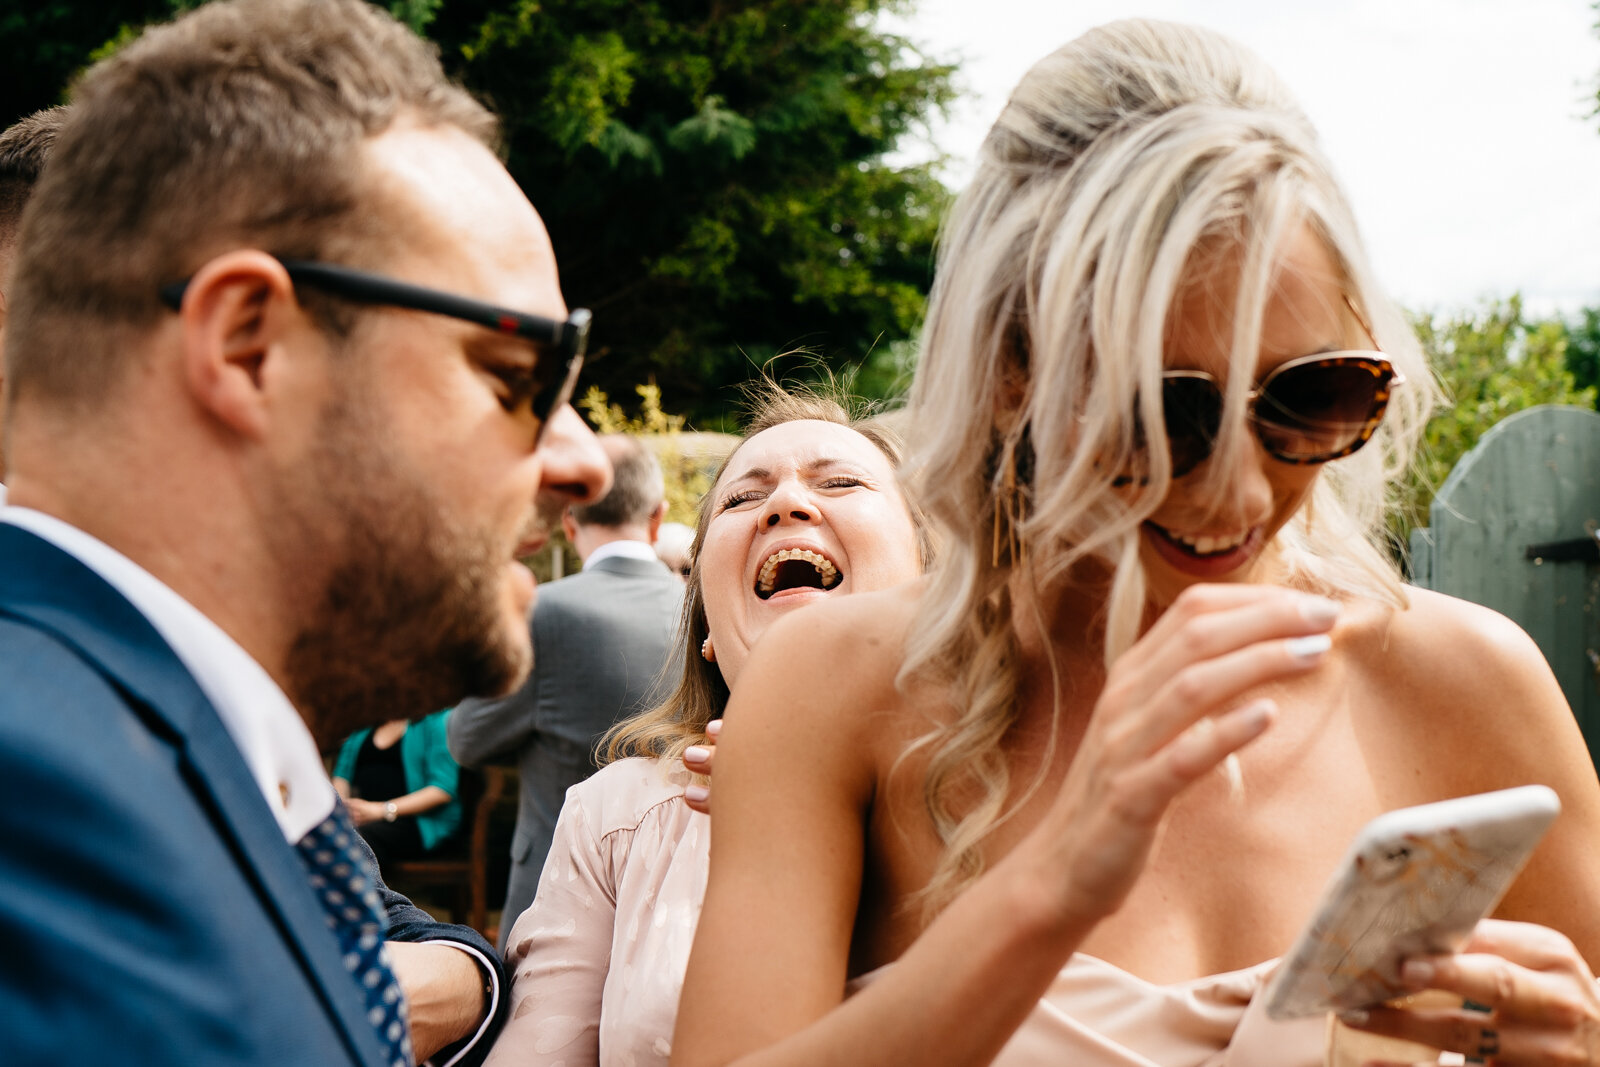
pixel 598 959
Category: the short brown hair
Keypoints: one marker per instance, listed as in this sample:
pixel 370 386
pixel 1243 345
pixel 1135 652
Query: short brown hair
pixel 239 124
pixel 23 149
pixel 636 486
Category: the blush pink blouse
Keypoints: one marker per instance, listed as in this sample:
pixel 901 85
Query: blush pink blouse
pixel 598 958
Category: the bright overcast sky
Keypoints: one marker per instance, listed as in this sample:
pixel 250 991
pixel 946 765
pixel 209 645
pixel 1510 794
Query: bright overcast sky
pixel 1456 125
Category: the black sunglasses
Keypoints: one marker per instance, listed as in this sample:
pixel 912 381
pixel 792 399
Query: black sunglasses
pixel 1308 410
pixel 546 386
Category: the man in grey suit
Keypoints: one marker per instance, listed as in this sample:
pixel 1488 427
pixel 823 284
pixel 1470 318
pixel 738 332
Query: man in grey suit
pixel 601 640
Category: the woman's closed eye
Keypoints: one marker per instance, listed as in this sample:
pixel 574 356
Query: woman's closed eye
pixel 831 481
pixel 742 496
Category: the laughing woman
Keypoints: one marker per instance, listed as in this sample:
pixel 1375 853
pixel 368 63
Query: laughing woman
pixel 806 510
pixel 1066 799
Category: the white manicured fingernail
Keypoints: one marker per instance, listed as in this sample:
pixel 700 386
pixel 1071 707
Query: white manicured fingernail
pixel 696 793
pixel 1319 610
pixel 696 754
pixel 713 728
pixel 1355 1017
pixel 1257 715
pixel 1417 972
pixel 1310 648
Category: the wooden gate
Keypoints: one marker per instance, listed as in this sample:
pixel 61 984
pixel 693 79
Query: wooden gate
pixel 1514 528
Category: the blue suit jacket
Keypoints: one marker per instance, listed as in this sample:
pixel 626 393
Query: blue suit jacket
pixel 150 910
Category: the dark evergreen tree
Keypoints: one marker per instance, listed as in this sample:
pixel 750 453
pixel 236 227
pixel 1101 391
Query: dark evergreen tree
pixel 713 173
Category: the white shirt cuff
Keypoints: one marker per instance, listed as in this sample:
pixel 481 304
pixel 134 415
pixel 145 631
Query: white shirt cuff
pixel 494 1002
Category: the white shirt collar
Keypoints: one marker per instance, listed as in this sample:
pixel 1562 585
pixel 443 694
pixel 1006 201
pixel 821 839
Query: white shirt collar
pixel 620 550
pixel 274 740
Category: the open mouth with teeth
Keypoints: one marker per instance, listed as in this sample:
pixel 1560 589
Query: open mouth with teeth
pixel 1205 545
pixel 796 568
pixel 1205 555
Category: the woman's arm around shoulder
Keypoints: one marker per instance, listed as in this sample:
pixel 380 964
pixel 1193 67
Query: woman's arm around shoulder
pixel 814 725
pixel 796 770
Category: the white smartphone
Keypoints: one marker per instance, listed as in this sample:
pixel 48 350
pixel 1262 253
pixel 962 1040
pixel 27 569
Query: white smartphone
pixel 1415 881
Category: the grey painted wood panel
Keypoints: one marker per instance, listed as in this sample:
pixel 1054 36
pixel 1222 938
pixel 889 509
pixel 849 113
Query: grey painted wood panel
pixel 1532 479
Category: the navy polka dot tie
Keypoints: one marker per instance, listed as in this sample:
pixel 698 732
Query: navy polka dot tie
pixel 338 871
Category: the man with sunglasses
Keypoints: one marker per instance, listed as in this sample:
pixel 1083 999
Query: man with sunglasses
pixel 289 369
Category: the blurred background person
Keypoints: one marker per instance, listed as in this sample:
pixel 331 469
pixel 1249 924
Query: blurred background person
pixel 601 640
pixel 401 786
pixel 672 546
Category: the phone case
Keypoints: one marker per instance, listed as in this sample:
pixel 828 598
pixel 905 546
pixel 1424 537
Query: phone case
pixel 1416 880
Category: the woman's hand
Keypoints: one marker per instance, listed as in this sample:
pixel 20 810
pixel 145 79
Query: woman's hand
pixel 783 904
pixel 363 811
pixel 698 758
pixel 1540 996
pixel 423 800
pixel 1166 716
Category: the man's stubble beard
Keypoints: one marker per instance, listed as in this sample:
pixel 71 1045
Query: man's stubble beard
pixel 410 619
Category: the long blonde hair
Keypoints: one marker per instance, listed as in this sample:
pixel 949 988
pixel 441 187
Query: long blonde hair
pixel 702 694
pixel 1122 164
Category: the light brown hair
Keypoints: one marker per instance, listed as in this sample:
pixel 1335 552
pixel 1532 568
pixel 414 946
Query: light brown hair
pixel 238 125
pixel 24 147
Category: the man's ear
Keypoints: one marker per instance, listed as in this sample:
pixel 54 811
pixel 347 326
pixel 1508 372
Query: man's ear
pixel 656 516
pixel 237 309
pixel 569 526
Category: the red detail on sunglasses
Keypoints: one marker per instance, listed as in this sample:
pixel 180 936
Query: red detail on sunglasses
pixel 508 324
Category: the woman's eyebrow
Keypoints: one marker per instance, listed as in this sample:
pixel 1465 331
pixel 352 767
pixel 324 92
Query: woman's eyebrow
pixel 756 473
pixel 824 462
pixel 810 466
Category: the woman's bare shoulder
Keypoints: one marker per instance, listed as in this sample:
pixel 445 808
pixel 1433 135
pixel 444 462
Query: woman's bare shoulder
pixel 1453 648
pixel 863 633
pixel 836 660
pixel 1464 680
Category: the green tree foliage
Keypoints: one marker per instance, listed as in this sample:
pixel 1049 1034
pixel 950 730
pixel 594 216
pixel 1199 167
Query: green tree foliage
pixel 43 44
pixel 1491 363
pixel 712 172
pixel 687 460
pixel 1583 348
pixel 713 177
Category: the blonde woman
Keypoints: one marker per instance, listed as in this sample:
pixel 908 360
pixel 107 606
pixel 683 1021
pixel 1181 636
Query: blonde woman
pixel 805 510
pixel 1066 799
